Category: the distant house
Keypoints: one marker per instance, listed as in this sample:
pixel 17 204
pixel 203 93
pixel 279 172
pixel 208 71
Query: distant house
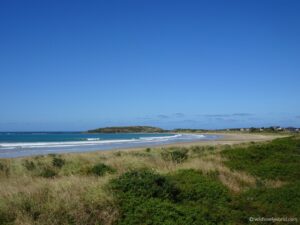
pixel 292 129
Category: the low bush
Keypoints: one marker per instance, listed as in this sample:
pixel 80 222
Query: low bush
pixel 29 165
pixel 198 149
pixel 140 154
pixel 211 148
pixel 48 172
pixel 177 155
pixel 145 184
pixel 7 215
pixel 279 202
pixel 156 212
pixel 101 169
pixel 58 162
pixel 195 186
pixel 185 198
pixel 4 168
pixel 117 154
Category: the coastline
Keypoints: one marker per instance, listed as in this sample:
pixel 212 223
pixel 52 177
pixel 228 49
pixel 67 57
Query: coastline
pixel 218 140
pixel 225 139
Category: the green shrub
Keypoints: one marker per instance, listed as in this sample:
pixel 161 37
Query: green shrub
pixel 211 148
pixel 185 198
pixel 117 154
pixel 29 165
pixel 37 157
pixel 140 154
pixel 58 162
pixel 177 155
pixel 227 147
pixel 278 202
pixel 1 166
pixel 195 186
pixel 156 212
pixel 7 216
pixel 30 207
pixel 197 149
pixel 148 149
pixel 4 168
pixel 146 184
pixel 48 172
pixel 101 169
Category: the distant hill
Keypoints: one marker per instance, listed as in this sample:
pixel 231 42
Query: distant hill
pixel 128 129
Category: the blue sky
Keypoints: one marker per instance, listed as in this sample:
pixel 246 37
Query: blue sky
pixel 76 65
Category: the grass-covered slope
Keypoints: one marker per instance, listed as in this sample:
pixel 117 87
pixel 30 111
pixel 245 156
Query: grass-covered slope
pixel 278 160
pixel 197 185
pixel 129 129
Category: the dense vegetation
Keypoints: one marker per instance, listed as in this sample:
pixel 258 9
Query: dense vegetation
pixel 185 197
pixel 193 185
pixel 278 160
pixel 129 129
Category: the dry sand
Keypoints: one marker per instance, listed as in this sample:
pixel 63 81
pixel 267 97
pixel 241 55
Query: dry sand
pixel 226 139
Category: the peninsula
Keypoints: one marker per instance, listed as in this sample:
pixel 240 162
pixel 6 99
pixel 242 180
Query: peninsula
pixel 128 129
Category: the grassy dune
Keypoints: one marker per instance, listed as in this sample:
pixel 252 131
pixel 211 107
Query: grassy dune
pixel 224 184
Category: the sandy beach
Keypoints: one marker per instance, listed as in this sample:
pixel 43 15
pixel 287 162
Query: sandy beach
pixel 234 138
pixel 226 139
pixel 187 139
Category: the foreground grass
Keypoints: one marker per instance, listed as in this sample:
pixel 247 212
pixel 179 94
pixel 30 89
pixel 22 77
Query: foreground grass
pixel 196 185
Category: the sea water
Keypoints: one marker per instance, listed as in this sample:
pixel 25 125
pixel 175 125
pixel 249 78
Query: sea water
pixel 17 144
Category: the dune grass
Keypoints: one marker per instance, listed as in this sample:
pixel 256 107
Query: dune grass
pixel 223 184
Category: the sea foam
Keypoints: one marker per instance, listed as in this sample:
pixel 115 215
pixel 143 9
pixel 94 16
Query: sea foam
pixel 97 141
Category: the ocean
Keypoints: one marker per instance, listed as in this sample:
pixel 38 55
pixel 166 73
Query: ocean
pixel 18 144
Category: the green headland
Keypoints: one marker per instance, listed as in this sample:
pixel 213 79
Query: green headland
pixel 128 129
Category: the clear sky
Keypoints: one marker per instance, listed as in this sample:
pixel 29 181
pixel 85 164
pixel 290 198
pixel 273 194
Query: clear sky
pixel 75 65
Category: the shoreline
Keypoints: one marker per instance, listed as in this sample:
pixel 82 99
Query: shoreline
pixel 225 139
pixel 82 144
pixel 222 139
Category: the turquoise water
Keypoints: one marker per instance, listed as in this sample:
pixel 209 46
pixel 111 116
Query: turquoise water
pixel 20 137
pixel 17 144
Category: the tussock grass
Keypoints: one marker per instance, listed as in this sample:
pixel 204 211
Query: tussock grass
pixel 78 200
